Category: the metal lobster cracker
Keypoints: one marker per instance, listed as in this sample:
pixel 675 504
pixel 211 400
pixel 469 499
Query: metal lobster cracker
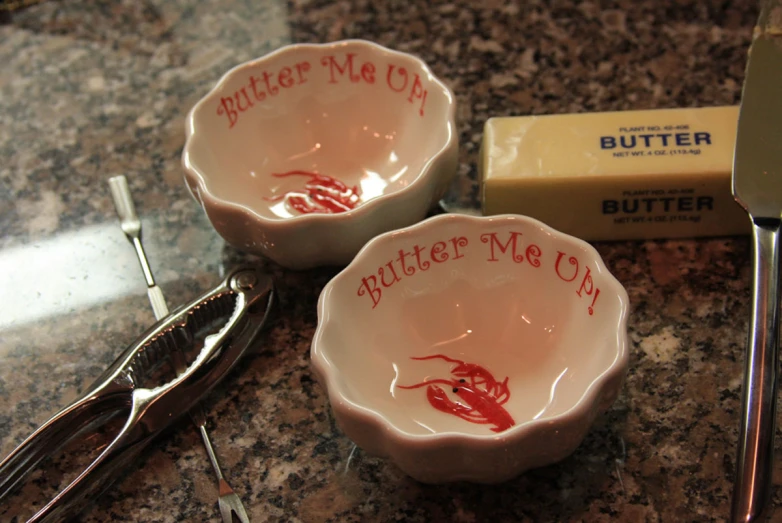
pixel 241 303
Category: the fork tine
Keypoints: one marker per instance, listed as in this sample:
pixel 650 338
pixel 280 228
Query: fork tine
pixel 225 511
pixel 230 504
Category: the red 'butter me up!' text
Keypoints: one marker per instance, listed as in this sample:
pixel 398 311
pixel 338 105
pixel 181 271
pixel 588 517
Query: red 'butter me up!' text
pixel 340 68
pixel 499 246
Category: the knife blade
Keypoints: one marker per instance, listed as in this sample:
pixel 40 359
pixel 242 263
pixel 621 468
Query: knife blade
pixel 757 186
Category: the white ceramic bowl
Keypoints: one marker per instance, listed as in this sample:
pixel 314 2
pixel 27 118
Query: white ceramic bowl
pixel 471 348
pixel 305 154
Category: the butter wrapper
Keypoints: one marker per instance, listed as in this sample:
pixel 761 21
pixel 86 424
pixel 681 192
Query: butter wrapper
pixel 662 173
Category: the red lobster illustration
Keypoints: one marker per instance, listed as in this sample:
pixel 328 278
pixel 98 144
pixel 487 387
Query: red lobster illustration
pixel 483 396
pixel 322 194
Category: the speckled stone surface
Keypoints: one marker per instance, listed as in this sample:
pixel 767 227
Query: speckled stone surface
pixel 89 89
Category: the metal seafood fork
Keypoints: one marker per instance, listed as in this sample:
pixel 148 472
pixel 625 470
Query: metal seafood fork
pixel 227 500
pixel 233 313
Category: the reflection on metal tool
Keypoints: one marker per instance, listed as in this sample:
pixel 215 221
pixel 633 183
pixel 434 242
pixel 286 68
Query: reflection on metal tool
pixel 757 186
pixel 227 500
pixel 228 318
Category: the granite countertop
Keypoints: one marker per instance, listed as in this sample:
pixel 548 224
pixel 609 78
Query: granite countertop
pixel 91 89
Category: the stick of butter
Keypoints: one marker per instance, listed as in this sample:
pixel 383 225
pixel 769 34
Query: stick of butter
pixel 662 173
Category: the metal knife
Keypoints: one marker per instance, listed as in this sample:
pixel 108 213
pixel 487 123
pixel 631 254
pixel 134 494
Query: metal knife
pixel 757 186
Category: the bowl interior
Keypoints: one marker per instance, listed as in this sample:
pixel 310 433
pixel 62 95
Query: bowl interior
pixel 476 315
pixel 355 113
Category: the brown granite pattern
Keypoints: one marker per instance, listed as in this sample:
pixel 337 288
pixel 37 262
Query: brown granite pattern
pixel 89 89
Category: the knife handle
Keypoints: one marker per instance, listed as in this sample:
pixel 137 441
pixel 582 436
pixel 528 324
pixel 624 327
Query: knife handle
pixel 755 461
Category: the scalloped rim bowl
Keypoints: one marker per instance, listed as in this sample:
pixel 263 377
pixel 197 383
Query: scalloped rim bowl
pixel 375 125
pixel 471 348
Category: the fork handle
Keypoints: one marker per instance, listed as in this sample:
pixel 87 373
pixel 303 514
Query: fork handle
pixel 755 461
pixel 200 422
